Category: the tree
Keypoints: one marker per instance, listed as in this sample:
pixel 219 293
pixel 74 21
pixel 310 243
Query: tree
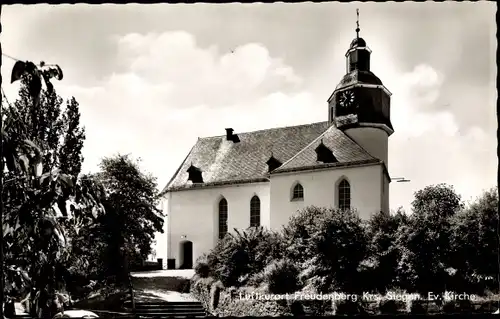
pixel 474 242
pixel 56 131
pixel 35 203
pixel 425 242
pixel 329 244
pixel 132 216
pixel 36 195
pixel 384 253
pixel 70 151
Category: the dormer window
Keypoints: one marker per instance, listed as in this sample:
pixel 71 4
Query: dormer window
pixel 195 174
pixel 324 154
pixel 273 163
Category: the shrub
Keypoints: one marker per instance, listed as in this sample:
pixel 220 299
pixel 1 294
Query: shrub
pixel 314 307
pixel 215 292
pixel 348 307
pixel 202 269
pixel 449 307
pixel 257 279
pixel 415 306
pixel 329 244
pixel 457 306
pixel 297 309
pixel 201 288
pixel 282 277
pixel 391 306
pixel 238 256
pixel 318 307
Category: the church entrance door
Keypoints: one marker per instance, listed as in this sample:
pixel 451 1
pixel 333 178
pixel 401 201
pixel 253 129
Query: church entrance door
pixel 186 254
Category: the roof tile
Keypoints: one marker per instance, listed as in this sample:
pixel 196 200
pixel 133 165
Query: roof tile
pixel 343 148
pixel 224 161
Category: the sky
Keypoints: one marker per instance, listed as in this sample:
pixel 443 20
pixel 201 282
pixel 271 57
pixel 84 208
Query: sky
pixel 151 79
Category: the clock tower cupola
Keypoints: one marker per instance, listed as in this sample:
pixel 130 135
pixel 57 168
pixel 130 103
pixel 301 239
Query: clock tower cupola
pixel 360 104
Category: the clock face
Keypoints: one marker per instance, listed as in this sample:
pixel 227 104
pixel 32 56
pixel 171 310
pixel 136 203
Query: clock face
pixel 346 99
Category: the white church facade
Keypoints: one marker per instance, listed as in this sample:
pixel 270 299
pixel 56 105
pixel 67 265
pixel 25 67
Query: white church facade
pixel 239 180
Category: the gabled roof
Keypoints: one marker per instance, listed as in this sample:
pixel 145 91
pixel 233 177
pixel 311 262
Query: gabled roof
pixel 225 162
pixel 344 149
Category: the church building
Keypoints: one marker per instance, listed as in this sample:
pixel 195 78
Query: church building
pixel 261 178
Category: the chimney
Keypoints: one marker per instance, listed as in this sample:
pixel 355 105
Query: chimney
pixel 229 134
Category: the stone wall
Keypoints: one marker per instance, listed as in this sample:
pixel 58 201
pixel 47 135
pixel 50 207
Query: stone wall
pixel 220 301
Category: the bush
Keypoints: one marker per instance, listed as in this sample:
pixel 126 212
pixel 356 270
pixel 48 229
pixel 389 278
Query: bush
pixel 317 307
pixel 348 307
pixel 215 292
pixel 415 306
pixel 458 306
pixel 449 307
pixel 201 288
pixel 391 306
pixel 330 244
pixel 237 257
pixel 202 269
pixel 229 304
pixel 314 307
pixel 282 277
pixel 297 309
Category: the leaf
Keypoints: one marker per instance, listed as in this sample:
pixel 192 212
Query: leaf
pixel 53 71
pixel 59 235
pixel 38 153
pixel 45 179
pixel 57 210
pixel 7 229
pixel 50 87
pixel 35 86
pixel 24 163
pixel 61 203
pixel 10 161
pixel 66 179
pixel 17 71
pixel 38 169
pixel 95 212
pixel 59 72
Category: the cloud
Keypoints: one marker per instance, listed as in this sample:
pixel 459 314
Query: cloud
pixel 172 91
pixel 430 147
pixel 423 85
pixel 199 75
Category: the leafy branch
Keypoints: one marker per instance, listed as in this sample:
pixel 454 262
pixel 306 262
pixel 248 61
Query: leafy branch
pixel 38 74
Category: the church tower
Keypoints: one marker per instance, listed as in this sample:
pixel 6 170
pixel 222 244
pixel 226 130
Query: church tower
pixel 360 104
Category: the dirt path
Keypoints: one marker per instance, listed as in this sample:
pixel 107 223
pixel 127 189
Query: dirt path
pixel 153 295
pixel 162 285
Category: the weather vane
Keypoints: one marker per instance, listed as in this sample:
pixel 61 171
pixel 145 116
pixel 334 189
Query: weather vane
pixel 357 23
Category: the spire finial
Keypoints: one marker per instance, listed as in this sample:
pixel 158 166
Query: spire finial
pixel 357 23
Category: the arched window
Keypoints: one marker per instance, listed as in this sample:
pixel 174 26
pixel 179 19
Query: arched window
pixel 222 218
pixel 298 192
pixel 255 212
pixel 344 195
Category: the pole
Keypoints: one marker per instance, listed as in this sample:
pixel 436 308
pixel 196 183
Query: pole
pixel 2 282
